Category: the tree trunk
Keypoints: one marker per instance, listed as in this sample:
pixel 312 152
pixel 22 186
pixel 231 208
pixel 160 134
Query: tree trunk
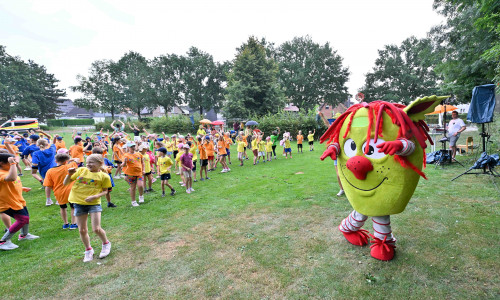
pixel 201 112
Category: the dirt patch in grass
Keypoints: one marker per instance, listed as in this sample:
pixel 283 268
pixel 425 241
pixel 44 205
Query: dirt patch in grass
pixel 166 250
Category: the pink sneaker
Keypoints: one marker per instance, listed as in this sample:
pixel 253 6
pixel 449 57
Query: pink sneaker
pixel 188 191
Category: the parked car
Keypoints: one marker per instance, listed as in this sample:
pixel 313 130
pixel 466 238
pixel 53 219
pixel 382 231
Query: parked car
pixel 19 125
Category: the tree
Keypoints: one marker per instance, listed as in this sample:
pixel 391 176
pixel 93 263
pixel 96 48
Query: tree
pixel 252 87
pixel 203 80
pixel 468 44
pixel 27 87
pixel 311 73
pixel 402 73
pixel 134 75
pixel 168 87
pixel 100 88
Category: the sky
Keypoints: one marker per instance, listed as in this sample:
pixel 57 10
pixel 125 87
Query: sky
pixel 67 36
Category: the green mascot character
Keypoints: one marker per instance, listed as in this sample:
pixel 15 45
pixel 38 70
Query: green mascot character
pixel 380 152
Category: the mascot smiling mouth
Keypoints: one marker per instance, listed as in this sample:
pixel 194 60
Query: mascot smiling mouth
pixel 359 188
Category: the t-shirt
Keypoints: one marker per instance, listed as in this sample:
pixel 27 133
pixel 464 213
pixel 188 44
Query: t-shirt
pixel 30 149
pixel 164 162
pixel 22 144
pixel 203 152
pixel 310 137
pixel 262 146
pixel 187 161
pixel 44 159
pixel 134 164
pixel 55 180
pixel 287 143
pixel 254 144
pixel 117 151
pixel 87 184
pixel 147 163
pixel 221 146
pixel 201 132
pixel 192 150
pixel 12 193
pixel 169 146
pixel 455 125
pixel 274 140
pixel 60 145
pixel 241 146
pixel 209 147
pixel 228 142
pixel 76 151
pixel 136 132
pixel 269 146
pixel 300 138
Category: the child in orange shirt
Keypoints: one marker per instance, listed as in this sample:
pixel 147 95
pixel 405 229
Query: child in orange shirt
pixel 202 142
pixel 209 147
pixel 221 154
pixel 58 141
pixel 118 155
pixel 54 180
pixel 76 151
pixel 300 138
pixel 228 142
pixel 12 202
pixel 133 167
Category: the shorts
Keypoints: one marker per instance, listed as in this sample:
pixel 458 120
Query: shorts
pixel 23 157
pixel 311 143
pixel 187 174
pixel 194 165
pixel 288 150
pixel 228 152
pixel 262 153
pixel 255 152
pixel 211 157
pixel 118 162
pixel 147 174
pixel 240 155
pixel 137 138
pixel 66 206
pixel 299 146
pixel 11 212
pixel 169 153
pixel 204 162
pixel 453 139
pixel 81 210
pixel 133 179
pixel 165 176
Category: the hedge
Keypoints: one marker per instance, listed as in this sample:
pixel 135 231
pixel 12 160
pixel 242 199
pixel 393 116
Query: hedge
pixel 175 124
pixel 69 122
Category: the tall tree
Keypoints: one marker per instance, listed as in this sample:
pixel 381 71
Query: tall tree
pixel 311 73
pixel 467 43
pixel 402 73
pixel 252 87
pixel 168 87
pixel 203 81
pixel 135 82
pixel 100 88
pixel 27 89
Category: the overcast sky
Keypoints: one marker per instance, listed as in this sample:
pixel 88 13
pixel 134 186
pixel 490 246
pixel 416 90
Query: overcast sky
pixel 67 36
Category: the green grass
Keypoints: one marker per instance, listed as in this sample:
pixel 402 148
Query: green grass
pixel 265 232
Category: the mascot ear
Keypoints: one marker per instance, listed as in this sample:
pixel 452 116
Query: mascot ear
pixel 418 108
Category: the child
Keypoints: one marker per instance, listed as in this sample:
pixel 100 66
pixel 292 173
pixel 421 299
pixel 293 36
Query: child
pixel 255 148
pixel 203 157
pixel 12 202
pixel 269 148
pixel 118 155
pixel 90 184
pixel 192 150
pixel 76 151
pixel 300 138
pixel 221 156
pixel 54 179
pixel 287 146
pixel 228 142
pixel 310 138
pixel 262 150
pixel 107 168
pixel 209 147
pixel 133 167
pixel 186 162
pixel 240 148
pixel 163 164
pixel 147 167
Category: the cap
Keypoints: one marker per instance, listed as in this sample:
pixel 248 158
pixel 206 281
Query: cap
pixel 25 134
pixel 11 140
pixel 141 147
pixel 160 139
pixel 62 151
pixel 207 137
pixel 18 137
pixel 59 138
pixel 180 145
pixel 162 149
pixel 34 136
pixel 130 144
pixel 185 146
pixel 181 136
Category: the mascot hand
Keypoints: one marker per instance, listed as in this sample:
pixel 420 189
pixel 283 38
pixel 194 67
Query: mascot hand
pixel 331 151
pixel 390 147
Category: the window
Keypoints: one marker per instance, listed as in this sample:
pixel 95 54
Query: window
pixel 23 122
pixel 327 107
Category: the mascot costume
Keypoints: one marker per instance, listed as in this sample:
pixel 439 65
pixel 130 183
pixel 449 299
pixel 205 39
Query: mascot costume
pixel 380 152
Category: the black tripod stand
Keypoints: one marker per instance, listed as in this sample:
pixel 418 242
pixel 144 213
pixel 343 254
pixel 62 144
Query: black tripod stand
pixel 484 162
pixel 444 156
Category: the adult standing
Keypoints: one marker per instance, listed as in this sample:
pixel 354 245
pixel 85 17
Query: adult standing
pixel 455 127
pixel 201 131
pixel 236 126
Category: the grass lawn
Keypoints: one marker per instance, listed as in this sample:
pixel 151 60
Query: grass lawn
pixel 266 232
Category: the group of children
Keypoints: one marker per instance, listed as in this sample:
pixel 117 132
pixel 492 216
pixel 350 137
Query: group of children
pixel 81 175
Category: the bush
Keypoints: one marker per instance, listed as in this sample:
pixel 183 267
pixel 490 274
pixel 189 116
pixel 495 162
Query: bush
pixel 69 122
pixel 106 125
pixel 175 124
pixel 292 122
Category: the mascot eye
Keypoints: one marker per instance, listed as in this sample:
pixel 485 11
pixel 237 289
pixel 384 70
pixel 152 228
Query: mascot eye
pixel 373 150
pixel 350 148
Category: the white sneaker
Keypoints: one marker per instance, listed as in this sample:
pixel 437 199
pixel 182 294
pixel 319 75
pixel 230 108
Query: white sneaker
pixel 228 169
pixel 134 203
pixel 8 245
pixel 188 191
pixel 224 171
pixel 89 255
pixel 340 193
pixel 28 237
pixel 48 202
pixel 27 169
pixel 191 189
pixel 117 177
pixel 141 199
pixel 106 248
